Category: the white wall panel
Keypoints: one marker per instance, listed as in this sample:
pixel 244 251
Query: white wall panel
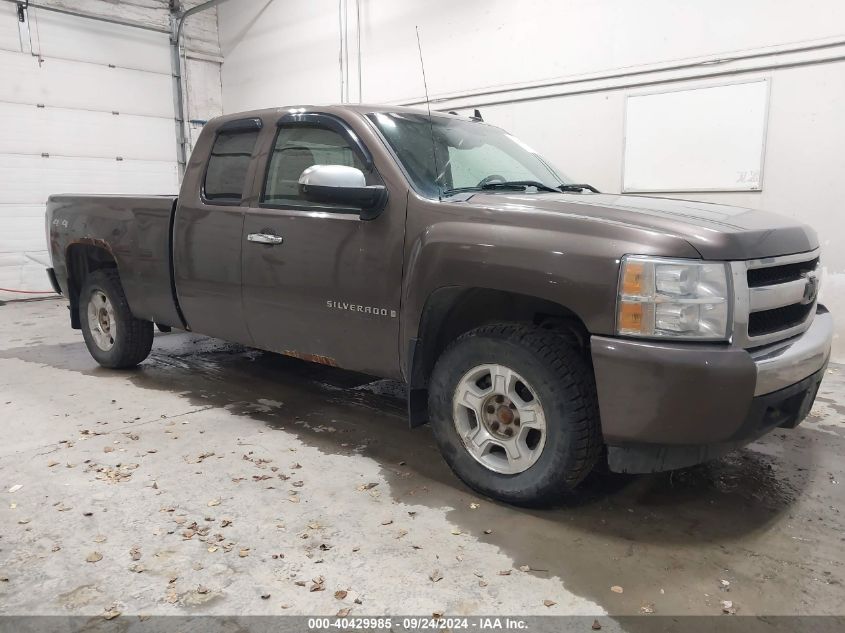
pixel 151 13
pixel 473 44
pixel 26 129
pixel 22 228
pixel 199 33
pixel 288 56
pixel 62 36
pixel 23 250
pixel 31 179
pixel 9 36
pixel 80 91
pixel 67 84
pixel 203 97
pixel 24 271
pixel 28 181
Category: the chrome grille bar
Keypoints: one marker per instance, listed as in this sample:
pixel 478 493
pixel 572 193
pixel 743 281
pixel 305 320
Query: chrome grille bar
pixel 777 296
pixel 770 297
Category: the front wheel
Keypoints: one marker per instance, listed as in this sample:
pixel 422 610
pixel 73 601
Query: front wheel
pixel 513 409
pixel 114 337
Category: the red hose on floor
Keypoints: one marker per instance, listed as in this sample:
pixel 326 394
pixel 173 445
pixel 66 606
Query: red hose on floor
pixel 29 292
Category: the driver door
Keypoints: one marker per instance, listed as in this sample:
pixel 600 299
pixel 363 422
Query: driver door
pixel 319 282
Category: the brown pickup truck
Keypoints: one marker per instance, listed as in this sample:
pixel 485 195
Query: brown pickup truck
pixel 541 326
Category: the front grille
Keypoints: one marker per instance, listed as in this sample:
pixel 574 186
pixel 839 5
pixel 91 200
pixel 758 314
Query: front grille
pixel 770 297
pixel 772 275
pixel 768 321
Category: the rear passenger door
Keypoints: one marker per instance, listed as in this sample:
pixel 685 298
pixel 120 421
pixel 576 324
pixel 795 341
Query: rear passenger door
pixel 207 231
pixel 328 290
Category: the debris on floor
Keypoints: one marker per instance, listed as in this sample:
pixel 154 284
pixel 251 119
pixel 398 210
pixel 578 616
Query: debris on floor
pixel 222 490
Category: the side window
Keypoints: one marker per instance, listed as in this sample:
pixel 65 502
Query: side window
pixel 225 175
pixel 298 147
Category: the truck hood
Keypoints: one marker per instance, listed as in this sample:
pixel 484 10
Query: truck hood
pixel 716 231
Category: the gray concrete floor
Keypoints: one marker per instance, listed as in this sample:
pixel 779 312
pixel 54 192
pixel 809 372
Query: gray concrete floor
pixel 217 479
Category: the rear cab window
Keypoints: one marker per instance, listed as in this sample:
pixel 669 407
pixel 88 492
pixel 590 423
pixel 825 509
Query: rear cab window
pixel 225 174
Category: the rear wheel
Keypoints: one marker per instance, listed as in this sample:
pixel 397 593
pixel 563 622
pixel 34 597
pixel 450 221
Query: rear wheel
pixel 513 409
pixel 114 337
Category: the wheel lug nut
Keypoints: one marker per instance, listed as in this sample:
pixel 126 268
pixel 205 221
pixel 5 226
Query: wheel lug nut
pixel 508 431
pixel 500 399
pixel 495 426
pixel 491 408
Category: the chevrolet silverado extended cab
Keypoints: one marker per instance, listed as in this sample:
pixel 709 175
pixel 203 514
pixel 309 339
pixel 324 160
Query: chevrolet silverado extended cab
pixel 541 326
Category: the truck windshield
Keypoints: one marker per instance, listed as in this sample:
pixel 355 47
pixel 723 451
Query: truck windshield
pixel 469 155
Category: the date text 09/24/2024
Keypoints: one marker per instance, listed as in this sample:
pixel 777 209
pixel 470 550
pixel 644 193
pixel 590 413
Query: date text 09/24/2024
pixel 416 623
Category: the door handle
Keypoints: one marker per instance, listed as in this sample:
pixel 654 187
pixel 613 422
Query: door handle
pixel 265 238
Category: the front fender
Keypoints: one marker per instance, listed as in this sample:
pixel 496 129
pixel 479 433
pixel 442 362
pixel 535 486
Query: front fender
pixel 575 268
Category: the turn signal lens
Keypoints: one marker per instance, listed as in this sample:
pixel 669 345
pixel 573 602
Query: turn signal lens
pixel 630 318
pixel 632 278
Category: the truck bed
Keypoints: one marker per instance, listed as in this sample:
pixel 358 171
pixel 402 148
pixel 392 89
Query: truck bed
pixel 135 231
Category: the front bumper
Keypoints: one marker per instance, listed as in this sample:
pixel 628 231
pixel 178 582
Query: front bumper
pixel 671 405
pixel 783 364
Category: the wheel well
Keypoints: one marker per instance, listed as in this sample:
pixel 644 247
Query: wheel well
pixel 450 312
pixel 82 260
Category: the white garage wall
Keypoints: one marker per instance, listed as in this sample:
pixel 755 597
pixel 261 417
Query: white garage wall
pixel 28 130
pixel 557 74
pixel 86 106
pixel 287 51
pixel 58 35
pixel 129 48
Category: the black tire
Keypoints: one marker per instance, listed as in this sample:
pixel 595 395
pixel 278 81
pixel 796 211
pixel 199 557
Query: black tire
pixel 133 338
pixel 563 381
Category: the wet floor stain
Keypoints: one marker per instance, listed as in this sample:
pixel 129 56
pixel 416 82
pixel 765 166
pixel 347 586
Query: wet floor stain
pixel 676 533
pixel 836 406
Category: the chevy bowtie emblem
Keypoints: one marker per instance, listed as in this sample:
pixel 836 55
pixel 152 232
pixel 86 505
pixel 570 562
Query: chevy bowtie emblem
pixel 811 289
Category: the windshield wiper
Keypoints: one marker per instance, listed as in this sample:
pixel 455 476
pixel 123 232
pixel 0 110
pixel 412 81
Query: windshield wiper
pixel 578 188
pixel 452 192
pixel 509 185
pixel 519 185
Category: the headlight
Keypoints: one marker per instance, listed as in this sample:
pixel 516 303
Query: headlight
pixel 677 298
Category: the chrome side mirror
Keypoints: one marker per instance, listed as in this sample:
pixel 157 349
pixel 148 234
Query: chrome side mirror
pixel 339 184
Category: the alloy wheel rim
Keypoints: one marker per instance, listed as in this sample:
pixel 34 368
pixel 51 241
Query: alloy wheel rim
pixel 101 320
pixel 499 418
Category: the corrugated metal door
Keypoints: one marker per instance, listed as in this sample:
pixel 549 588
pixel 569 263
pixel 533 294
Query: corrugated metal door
pixel 85 107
